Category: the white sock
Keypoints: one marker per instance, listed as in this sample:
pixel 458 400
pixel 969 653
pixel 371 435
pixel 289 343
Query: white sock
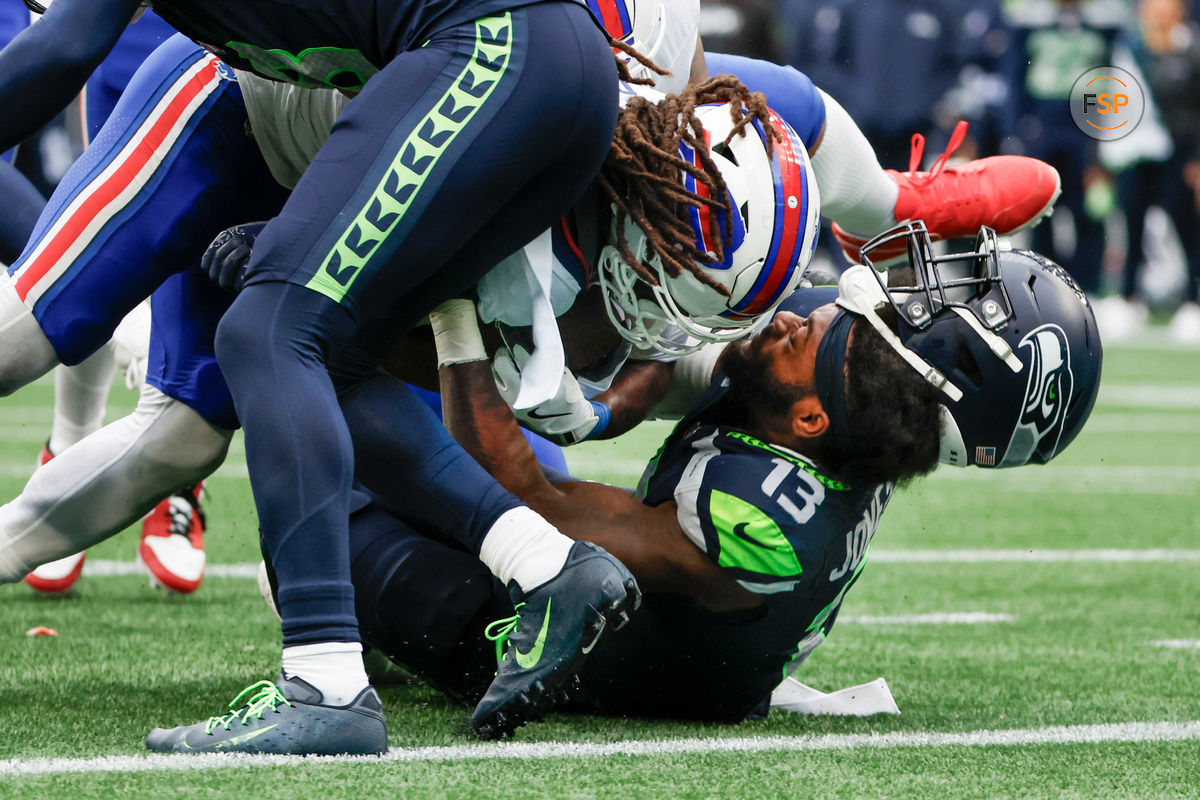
pixel 334 668
pixel 855 191
pixel 524 547
pixel 80 397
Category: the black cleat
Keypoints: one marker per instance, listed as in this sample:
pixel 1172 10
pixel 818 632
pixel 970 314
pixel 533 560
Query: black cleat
pixel 283 717
pixel 556 626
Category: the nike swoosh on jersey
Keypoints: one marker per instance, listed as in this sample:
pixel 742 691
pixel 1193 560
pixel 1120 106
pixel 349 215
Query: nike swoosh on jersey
pixel 739 531
pixel 530 659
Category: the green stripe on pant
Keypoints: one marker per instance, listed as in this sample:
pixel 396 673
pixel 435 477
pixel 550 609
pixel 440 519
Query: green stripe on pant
pixel 429 140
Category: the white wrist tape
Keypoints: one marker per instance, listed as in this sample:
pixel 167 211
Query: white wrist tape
pixel 456 332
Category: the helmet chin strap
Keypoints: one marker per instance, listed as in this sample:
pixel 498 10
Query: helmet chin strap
pixel 859 292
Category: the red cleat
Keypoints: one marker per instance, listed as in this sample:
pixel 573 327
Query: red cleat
pixel 1006 193
pixel 172 545
pixel 56 577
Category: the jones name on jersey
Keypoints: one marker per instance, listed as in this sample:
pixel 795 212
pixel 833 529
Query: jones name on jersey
pixel 782 528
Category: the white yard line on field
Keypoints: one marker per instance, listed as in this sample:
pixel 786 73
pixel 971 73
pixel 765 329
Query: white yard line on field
pixel 1177 644
pixel 107 568
pixel 1046 556
pixel 1132 395
pixel 944 618
pixel 1071 734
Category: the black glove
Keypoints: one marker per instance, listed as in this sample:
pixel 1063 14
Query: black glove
pixel 226 258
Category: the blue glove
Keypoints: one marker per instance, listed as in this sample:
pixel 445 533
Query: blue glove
pixel 226 258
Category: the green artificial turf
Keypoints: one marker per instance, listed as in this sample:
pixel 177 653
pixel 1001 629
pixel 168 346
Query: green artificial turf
pixel 1077 643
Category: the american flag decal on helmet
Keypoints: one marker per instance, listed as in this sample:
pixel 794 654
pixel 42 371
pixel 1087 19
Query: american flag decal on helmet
pixel 985 456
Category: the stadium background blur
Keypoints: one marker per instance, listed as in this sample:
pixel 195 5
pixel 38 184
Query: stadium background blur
pixel 907 66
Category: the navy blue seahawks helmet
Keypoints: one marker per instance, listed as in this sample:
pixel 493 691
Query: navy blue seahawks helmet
pixel 1007 334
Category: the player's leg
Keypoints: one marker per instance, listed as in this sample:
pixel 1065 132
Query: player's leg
pixel 80 397
pixel 173 166
pixel 107 481
pixel 460 124
pixel 177 435
pixel 450 597
pixel 80 392
pixel 187 309
pixel 862 199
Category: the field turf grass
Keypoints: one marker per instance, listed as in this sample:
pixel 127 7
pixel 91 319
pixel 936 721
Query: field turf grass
pixel 1083 576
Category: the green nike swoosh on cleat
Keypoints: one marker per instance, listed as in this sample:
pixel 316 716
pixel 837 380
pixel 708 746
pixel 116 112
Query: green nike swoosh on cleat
pixel 530 659
pixel 245 737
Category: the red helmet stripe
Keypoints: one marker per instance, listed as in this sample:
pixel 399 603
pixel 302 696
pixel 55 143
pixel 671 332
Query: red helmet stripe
pixel 613 15
pixel 790 217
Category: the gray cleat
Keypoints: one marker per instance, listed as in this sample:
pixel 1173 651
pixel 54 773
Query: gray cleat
pixel 283 717
pixel 556 626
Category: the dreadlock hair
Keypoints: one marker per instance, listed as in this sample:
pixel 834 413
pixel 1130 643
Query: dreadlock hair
pixel 642 175
pixel 623 73
pixel 892 411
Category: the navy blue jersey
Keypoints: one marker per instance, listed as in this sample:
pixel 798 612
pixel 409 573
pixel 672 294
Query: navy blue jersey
pixel 779 526
pixel 333 43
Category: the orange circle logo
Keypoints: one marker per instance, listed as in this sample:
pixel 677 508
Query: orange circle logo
pixel 1107 103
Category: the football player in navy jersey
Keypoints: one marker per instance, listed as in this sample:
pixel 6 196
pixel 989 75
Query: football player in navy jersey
pixel 503 108
pixel 755 517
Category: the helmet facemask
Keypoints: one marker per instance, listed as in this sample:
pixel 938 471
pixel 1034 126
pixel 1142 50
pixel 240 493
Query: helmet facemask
pixel 969 315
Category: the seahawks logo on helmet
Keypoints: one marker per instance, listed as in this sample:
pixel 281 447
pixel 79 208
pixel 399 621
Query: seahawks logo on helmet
pixel 1046 394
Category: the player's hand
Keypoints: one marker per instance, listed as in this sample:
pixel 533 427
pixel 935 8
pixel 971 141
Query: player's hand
pixel 564 419
pixel 226 258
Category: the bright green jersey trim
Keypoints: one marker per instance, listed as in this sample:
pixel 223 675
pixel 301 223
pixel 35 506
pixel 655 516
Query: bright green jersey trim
pixel 312 68
pixel 416 157
pixel 829 483
pixel 751 540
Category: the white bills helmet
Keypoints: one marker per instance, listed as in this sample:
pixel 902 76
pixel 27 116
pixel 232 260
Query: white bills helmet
pixel 770 241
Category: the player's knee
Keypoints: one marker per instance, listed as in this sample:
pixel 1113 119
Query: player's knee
pixel 25 352
pixel 275 323
pixel 20 367
pixel 175 437
pixel 237 335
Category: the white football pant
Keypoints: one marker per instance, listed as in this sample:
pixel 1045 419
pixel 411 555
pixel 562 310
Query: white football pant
pixel 107 481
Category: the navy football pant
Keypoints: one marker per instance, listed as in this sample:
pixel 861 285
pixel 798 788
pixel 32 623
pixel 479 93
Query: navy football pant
pixel 452 157
pixel 22 205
